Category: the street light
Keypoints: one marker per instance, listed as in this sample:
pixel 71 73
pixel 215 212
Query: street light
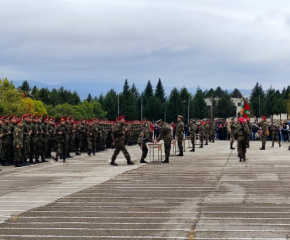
pixel 183 102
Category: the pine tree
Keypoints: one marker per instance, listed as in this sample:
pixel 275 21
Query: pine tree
pixel 173 107
pixel 258 101
pixel 89 98
pixel 200 108
pixel 225 107
pixel 25 86
pixel 236 93
pixel 159 91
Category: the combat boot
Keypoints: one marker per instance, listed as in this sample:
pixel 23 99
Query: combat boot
pixel 56 157
pixel 31 161
pixel 64 160
pixel 201 146
pixel 78 153
pixel 262 148
pixel 166 160
pixel 43 159
pixel 192 150
pixel 89 152
pixel 232 147
pixel 180 154
pixel 69 156
pixel 113 163
pixel 17 164
pixel 37 161
pixel 142 161
pixel 129 162
pixel 4 163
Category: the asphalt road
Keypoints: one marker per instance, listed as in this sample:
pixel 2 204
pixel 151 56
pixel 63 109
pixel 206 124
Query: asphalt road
pixel 207 194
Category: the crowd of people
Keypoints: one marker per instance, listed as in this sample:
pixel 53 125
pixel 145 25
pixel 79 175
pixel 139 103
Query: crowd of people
pixel 31 139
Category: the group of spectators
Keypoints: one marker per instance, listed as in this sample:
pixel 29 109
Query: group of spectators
pixel 222 130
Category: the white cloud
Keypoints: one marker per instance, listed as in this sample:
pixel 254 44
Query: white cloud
pixel 207 42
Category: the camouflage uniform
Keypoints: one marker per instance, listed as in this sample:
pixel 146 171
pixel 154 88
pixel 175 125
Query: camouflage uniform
pixel 165 134
pixel 275 134
pixel 211 132
pixel 192 130
pixel 232 128
pixel 6 144
pixel 119 139
pixel 144 137
pixel 179 135
pixel 264 134
pixel 26 141
pixel 91 138
pixel 241 132
pixel 62 141
pixel 206 132
pixel 18 145
pixel 201 131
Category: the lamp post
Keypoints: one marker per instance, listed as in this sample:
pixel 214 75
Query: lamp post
pixel 183 102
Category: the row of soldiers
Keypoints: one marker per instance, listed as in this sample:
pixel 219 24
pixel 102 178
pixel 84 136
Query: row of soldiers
pixel 31 139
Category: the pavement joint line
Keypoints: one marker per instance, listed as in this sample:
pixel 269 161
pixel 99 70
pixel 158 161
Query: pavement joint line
pixel 101 229
pixel 48 217
pixel 94 237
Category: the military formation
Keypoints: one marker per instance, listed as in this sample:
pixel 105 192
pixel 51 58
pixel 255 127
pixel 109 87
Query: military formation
pixel 31 139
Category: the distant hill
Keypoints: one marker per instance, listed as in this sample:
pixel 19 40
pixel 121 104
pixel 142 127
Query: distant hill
pixel 95 89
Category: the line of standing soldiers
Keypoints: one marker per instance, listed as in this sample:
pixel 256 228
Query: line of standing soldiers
pixel 31 139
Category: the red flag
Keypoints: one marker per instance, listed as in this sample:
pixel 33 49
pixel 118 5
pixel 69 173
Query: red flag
pixel 246 111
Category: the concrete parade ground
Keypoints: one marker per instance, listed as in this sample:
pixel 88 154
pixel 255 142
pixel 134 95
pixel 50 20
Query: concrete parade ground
pixel 207 194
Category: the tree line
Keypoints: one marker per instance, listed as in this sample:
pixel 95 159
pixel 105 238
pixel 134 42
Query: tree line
pixel 152 103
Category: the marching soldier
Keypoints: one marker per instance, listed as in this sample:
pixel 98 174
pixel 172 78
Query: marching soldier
pixel 241 133
pixel 91 137
pixel 145 136
pixel 179 134
pixel 206 132
pixel 119 140
pixel 165 134
pixel 263 132
pixel 192 130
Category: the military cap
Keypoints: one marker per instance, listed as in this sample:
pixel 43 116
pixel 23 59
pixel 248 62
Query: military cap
pixel 25 116
pixel 1 118
pixel 45 118
pixel 158 121
pixel 264 117
pixel 6 117
pixel 71 118
pixel 180 116
pixel 120 117
pixel 192 120
pixel 35 117
pixel 152 126
pixel 241 119
pixel 233 118
pixel 19 120
pixel 13 116
pixel 62 119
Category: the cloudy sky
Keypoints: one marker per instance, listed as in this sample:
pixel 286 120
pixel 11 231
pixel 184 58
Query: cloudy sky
pixel 206 43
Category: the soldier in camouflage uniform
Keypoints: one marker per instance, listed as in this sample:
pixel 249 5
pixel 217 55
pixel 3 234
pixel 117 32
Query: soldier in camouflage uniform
pixel 11 149
pixel 62 133
pixel 201 131
pixel 240 133
pixel 145 136
pixel 165 134
pixel 26 138
pixel 274 129
pixel 206 132
pixel 18 143
pixel 263 132
pixel 192 130
pixel 179 134
pixel 91 137
pixel 6 135
pixel 45 135
pixel 83 136
pixel 119 140
pixel 211 131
